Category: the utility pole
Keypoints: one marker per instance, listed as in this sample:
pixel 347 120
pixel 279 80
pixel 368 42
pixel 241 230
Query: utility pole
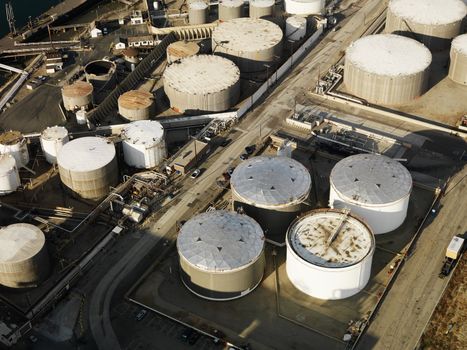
pixel 10 16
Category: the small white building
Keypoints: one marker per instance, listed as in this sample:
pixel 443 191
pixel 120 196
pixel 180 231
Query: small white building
pixel 121 44
pixel 96 32
pixel 136 17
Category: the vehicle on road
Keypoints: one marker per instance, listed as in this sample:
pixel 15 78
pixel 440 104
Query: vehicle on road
pixel 141 314
pixel 195 173
pixel 244 156
pixel 230 171
pixel 250 149
pixel 225 142
pixel 453 253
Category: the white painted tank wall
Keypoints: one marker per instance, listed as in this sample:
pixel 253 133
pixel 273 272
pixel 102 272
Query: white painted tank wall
pixel 304 7
pixel 9 175
pixel 18 150
pixel 295 28
pixel 52 141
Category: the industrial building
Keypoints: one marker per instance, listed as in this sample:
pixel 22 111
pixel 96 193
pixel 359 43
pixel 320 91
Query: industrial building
pixel 458 55
pixel 203 83
pixel 136 105
pixel 14 143
pixel 198 12
pixel 189 156
pixel 9 175
pixel 329 254
pixel 24 261
pixel 272 190
pixel 101 74
pixel 433 23
pixel 230 9
pixel 295 28
pixel 252 43
pixel 261 8
pixel 77 95
pixel 88 167
pixel 387 69
pixel 52 140
pixel 144 144
pixel 375 187
pixel 221 255
pixel 304 7
pixel 181 49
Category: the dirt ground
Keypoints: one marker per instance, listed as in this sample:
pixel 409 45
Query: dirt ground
pixel 448 325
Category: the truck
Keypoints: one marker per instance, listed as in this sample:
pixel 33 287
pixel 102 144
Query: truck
pixel 453 253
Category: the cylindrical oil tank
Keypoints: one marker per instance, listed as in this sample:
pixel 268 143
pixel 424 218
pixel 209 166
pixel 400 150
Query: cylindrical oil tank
pixel 77 95
pixel 433 23
pixel 221 255
pixel 304 7
pixel 203 83
pixel 252 43
pixel 136 105
pixel 458 65
pixel 144 144
pixel 198 12
pixel 24 261
pixel 261 8
pixel 295 28
pixel 9 175
pixel 181 49
pixel 14 143
pixel 131 55
pixel 101 74
pixel 387 69
pixel 329 254
pixel 230 9
pixel 81 117
pixel 375 187
pixel 271 190
pixel 88 167
pixel 52 140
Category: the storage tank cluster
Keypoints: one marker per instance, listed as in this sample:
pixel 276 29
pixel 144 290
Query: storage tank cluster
pixel 251 43
pixel 181 49
pixel 136 105
pixel 272 190
pixel 261 8
pixel 374 187
pixel 101 74
pixel 458 55
pixel 77 95
pixel 433 22
pixel 221 255
pixel 198 12
pixel 24 261
pixel 202 83
pixel 15 144
pixel 52 140
pixel 144 144
pixel 9 175
pixel 295 28
pixel 88 167
pixel 304 7
pixel 230 9
pixel 387 69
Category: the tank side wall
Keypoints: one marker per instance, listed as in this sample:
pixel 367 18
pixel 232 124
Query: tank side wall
pixel 458 67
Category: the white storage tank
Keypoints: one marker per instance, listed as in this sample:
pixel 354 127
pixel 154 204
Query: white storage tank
pixel 14 143
pixel 202 83
pixel 329 254
pixel 77 95
pixel 432 22
pixel 375 187
pixel 221 255
pixel 88 167
pixel 230 9
pixel 261 8
pixel 198 12
pixel 181 49
pixel 271 190
pixel 52 140
pixel 458 65
pixel 24 261
pixel 144 144
pixel 304 7
pixel 9 175
pixel 251 43
pixel 136 105
pixel 295 28
pixel 81 117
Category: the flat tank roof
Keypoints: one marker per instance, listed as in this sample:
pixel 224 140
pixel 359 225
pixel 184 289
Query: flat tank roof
pixel 198 5
pixel 262 3
pixel 388 54
pixel 459 44
pixel 371 179
pixel 54 133
pixel 136 99
pixel 296 21
pixel 247 34
pixel 231 3
pixel 220 241
pixel 11 137
pixel 7 162
pixel 86 154
pixel 183 48
pixel 330 238
pixel 77 89
pixel 271 181
pixel 202 74
pixel 19 242
pixel 144 132
pixel 429 12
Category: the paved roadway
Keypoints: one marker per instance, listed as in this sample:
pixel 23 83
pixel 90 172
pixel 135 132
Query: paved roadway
pixel 408 306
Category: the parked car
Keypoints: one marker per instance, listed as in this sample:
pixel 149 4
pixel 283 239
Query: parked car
pixel 141 314
pixel 195 173
pixel 244 156
pixel 230 171
pixel 250 149
pixel 225 142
